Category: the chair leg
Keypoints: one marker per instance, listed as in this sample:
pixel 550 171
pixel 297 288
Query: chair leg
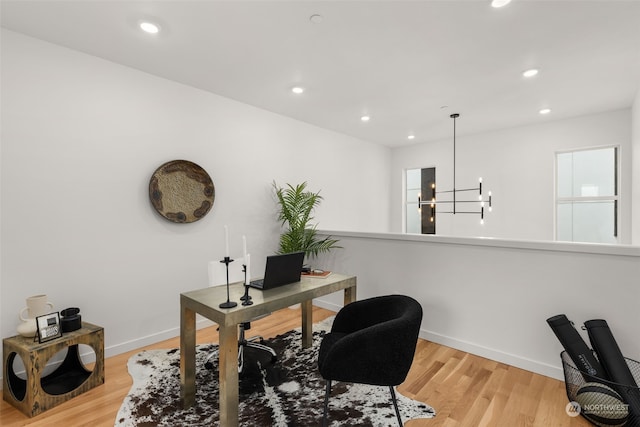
pixel 262 347
pixel 326 404
pixel 240 358
pixel 243 342
pixel 250 342
pixel 209 362
pixel 395 405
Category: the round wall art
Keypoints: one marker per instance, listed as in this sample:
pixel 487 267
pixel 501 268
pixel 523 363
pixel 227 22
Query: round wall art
pixel 181 191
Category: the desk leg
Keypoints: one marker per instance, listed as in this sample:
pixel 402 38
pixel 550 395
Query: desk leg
pixel 349 295
pixel 307 323
pixel 228 375
pixel 187 356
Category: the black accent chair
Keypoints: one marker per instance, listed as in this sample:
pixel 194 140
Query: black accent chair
pixel 372 341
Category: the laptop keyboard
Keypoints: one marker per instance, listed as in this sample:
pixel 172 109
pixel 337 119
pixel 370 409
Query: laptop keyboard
pixel 257 283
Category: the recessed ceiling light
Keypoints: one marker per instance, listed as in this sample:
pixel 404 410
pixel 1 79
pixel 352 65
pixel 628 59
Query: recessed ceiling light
pixel 316 19
pixel 500 3
pixel 365 118
pixel 297 90
pixel 545 111
pixel 149 27
pixel 530 72
pixel 411 137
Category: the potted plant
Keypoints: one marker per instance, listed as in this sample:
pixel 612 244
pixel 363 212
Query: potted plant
pixel 296 207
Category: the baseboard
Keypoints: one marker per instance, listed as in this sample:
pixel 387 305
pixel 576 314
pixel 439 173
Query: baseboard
pixel 327 305
pixel 478 350
pixel 201 322
pixel 493 354
pixel 151 339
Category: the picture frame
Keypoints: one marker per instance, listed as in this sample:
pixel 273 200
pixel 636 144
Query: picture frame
pixel 49 327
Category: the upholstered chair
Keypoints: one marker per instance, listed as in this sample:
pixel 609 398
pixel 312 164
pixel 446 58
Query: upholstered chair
pixel 372 341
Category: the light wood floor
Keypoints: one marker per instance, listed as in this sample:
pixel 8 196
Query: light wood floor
pixel 465 390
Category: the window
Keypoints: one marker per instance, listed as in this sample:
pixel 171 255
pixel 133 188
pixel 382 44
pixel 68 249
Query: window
pixel 419 183
pixel 587 195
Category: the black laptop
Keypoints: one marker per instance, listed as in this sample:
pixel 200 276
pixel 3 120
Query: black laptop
pixel 280 270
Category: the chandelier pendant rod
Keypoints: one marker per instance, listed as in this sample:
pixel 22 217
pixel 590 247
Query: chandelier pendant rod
pixel 435 202
pixel 457 190
pixel 462 212
pixel 454 116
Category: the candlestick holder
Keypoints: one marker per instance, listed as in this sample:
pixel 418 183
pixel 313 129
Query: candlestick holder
pixel 227 304
pixel 246 298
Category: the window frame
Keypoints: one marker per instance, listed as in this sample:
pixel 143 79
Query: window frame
pixel 413 203
pixel 616 198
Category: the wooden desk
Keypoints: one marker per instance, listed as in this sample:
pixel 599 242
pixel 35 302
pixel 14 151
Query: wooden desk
pixel 205 302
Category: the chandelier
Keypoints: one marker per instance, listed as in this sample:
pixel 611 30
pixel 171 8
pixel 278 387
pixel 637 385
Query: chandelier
pixel 473 206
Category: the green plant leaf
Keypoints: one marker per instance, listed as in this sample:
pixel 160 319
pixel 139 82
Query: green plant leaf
pixel 295 214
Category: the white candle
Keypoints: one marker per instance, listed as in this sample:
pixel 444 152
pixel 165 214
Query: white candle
pixel 247 277
pixel 226 241
pixel 244 247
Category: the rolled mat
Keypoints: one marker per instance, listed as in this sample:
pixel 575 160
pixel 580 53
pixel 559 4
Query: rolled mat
pixel 576 348
pixel 614 365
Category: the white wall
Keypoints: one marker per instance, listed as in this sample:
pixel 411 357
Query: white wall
pixel 635 226
pixel 81 138
pixel 492 297
pixel 517 165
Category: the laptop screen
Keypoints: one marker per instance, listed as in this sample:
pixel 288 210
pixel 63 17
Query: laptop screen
pixel 282 269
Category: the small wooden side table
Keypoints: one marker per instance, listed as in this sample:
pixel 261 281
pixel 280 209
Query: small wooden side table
pixel 36 393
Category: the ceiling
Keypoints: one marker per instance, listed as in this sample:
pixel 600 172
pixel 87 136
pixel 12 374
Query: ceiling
pixel 407 64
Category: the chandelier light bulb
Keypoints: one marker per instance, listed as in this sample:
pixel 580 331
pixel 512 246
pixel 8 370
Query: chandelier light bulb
pixel 500 3
pixel 149 27
pixel 316 18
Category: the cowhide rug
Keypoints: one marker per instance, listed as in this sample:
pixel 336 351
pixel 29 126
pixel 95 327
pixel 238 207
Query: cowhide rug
pixel 289 392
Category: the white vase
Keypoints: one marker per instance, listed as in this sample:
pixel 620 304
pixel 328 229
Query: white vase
pixel 28 328
pixel 37 305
